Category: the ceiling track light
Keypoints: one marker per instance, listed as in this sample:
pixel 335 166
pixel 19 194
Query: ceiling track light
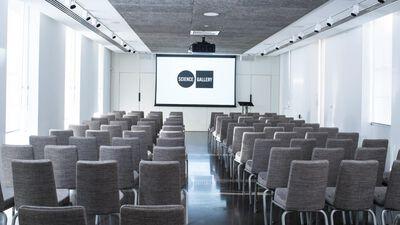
pixel 88 17
pixel 356 10
pixel 114 36
pixel 98 25
pixel 72 4
pixel 292 40
pixel 276 47
pixel 125 45
pixel 300 36
pixel 329 21
pixel 317 28
pixel 381 1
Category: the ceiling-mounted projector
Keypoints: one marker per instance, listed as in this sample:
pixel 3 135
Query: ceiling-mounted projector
pixel 203 46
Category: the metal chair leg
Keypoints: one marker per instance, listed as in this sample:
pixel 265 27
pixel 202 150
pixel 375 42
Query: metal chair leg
pixel 243 181
pixel 301 218
pixel 14 218
pixel 265 207
pixel 283 217
pixel 325 216
pixel 332 214
pixel 373 216
pixel 238 175
pixel 3 218
pixel 271 209
pixel 383 214
pixel 344 217
pixel 250 190
pixel 255 197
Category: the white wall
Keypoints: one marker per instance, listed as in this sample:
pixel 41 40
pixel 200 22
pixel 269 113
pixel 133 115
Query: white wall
pixel 51 75
pixel 258 76
pixel 107 81
pixel 3 50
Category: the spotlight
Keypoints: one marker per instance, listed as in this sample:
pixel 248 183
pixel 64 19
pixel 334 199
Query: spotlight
pixel 114 36
pixel 98 25
pixel 88 18
pixel 381 1
pixel 134 52
pixel 262 54
pixel 329 21
pixel 277 47
pixel 356 10
pixel 72 4
pixel 129 50
pixel 292 40
pixel 317 28
pixel 125 45
pixel 300 36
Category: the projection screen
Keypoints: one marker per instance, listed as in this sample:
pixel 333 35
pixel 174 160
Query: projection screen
pixel 195 80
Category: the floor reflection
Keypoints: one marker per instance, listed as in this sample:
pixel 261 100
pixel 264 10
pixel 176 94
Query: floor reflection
pixel 213 197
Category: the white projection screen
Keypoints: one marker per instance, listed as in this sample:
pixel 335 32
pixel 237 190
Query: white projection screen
pixel 195 80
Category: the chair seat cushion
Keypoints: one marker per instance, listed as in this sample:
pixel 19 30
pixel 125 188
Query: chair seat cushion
pixel 8 195
pixel 249 165
pixel 379 195
pixel 262 179
pixel 280 197
pixel 330 195
pixel 63 197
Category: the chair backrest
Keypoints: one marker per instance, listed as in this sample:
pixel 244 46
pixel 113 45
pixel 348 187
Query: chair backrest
pixel 40 215
pixel 354 136
pixel 320 138
pixel 151 215
pixel 170 142
pixel 346 144
pixel 134 119
pixel 355 185
pixel 248 145
pixel 79 130
pixel 172 128
pixel 134 143
pixel 128 120
pixel 218 123
pixel 159 183
pixel 307 146
pixel 285 137
pixel 141 135
pixel 270 131
pixel 137 112
pixel 259 127
pixel 102 120
pixel 39 142
pixel 307 185
pixel 334 157
pixel 332 131
pixel 115 130
pixel 150 121
pixel 224 127
pixel 86 147
pixel 392 198
pixel 93 125
pixel 148 130
pixel 375 143
pixel 235 115
pixel 123 124
pixel 245 119
pixel 64 159
pixel 61 135
pixel 261 153
pixel 103 137
pixel 171 122
pixel 287 127
pixel 172 154
pixel 123 156
pixel 34 183
pixel 152 124
pixel 97 187
pixel 171 134
pixel 302 131
pixel 10 153
pixel 279 165
pixel 298 123
pixel 378 154
pixel 238 137
pixel 229 132
pixel 315 126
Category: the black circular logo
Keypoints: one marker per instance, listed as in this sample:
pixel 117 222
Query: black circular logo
pixel 185 79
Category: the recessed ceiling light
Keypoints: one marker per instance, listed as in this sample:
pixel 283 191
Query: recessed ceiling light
pixel 211 14
pixel 205 25
pixel 204 32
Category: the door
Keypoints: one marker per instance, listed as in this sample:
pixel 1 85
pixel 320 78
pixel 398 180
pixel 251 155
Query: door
pixel 261 93
pixel 129 89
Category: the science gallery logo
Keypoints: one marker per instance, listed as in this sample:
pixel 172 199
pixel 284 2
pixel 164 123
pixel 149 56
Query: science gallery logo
pixel 204 79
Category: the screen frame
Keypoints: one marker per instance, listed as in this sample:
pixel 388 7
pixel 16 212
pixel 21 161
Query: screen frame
pixel 195 56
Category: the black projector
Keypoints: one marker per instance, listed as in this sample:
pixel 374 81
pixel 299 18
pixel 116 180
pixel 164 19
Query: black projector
pixel 203 46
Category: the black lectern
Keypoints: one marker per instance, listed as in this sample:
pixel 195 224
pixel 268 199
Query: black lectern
pixel 245 106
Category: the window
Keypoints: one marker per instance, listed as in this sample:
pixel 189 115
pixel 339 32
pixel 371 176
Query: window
pixel 72 77
pixel 379 40
pixel 100 88
pixel 21 74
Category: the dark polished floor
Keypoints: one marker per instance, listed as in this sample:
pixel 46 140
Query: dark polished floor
pixel 213 196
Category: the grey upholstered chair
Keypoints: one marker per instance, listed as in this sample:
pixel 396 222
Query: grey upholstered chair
pixel 305 191
pixel 176 113
pixel 128 120
pixel 115 130
pixel 34 185
pixel 302 131
pixel 138 113
pixel 93 125
pixel 173 154
pixel 378 154
pixel 354 136
pixel 277 174
pixel 126 179
pixel 224 129
pixel 396 220
pixel 229 133
pixel 79 130
pixel 260 160
pixel 218 125
pixel 286 137
pixel 236 147
pixel 335 156
pixel 235 115
pixel 354 189
pixel 259 127
pixel 245 119
pixel 386 174
pixel 213 116
pixel 270 131
pixel 170 142
pixel 109 116
pixel 134 119
pixel 389 197
pixel 123 124
pixel 375 143
pixel 6 202
pixel 315 126
pixel 63 159
pixel 152 123
pixel 307 146
pixel 141 135
pixel 332 131
pixel 102 120
pixel 346 144
pixel 97 188
pixel 320 137
pixel 86 147
pixel 10 153
pixel 148 135
pixel 171 134
pixel 61 135
pixel 39 142
pixel 172 128
pixel 152 215
pixel 287 127
pixel 42 215
pixel 134 143
pixel 103 137
pixel 173 123
pixel 298 123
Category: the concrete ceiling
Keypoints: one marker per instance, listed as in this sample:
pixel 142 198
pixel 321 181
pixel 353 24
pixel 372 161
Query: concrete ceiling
pixel 164 25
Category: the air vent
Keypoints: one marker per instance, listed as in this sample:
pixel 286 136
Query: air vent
pixel 204 32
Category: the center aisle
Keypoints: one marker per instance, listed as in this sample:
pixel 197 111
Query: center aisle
pixel 213 198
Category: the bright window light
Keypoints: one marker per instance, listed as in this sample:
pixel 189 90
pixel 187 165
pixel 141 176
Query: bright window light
pixel 100 88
